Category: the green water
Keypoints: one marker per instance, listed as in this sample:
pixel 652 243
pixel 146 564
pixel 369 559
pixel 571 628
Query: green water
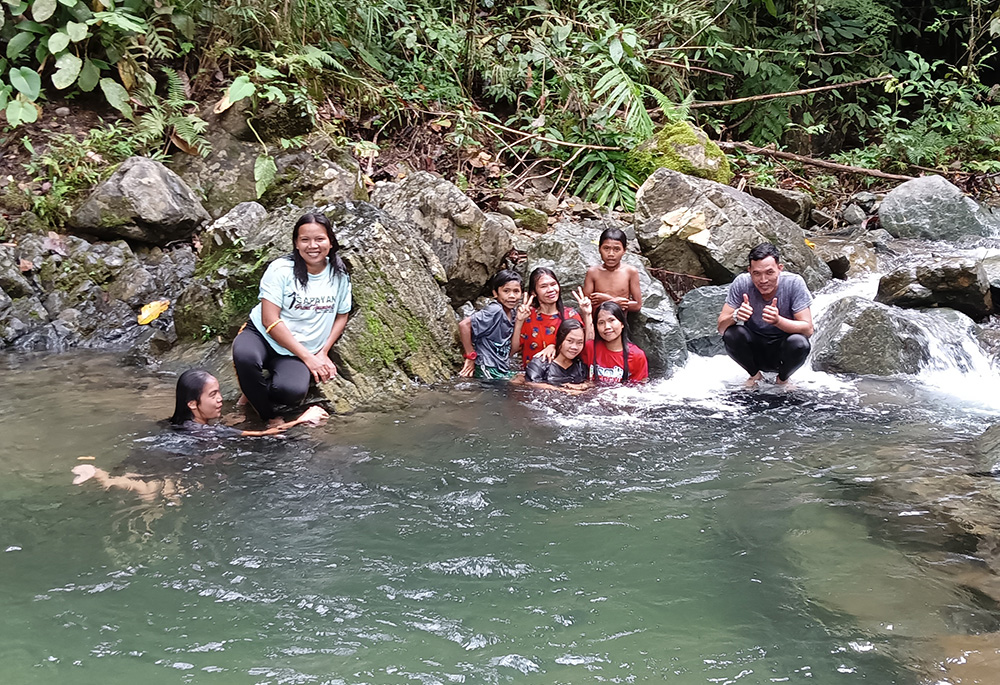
pixel 480 536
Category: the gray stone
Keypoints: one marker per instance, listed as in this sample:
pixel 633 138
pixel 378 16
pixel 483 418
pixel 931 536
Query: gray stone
pixel 572 248
pixel 932 208
pixel 865 201
pixel 845 257
pixel 956 282
pixel 991 265
pixel 142 201
pixel 702 228
pixel 224 178
pixel 854 215
pixel 987 448
pixel 794 204
pixel 524 217
pixel 821 218
pixel 698 313
pixel 62 111
pixel 314 176
pixel 859 336
pixel 469 245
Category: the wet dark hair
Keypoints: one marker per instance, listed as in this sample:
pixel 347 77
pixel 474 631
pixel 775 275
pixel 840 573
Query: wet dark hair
pixel 502 278
pixel 299 264
pixel 533 282
pixel 763 251
pixel 616 312
pixel 613 234
pixel 565 328
pixel 189 388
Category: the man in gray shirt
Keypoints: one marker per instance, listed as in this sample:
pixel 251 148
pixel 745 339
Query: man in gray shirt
pixel 766 321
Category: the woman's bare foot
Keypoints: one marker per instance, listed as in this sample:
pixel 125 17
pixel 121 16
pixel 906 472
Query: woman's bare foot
pixel 242 402
pixel 83 472
pixel 753 380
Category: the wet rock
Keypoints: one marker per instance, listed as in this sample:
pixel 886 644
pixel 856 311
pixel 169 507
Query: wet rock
pixel 572 248
pixel 859 336
pixel 987 448
pixel 957 282
pixel 315 176
pixel 991 265
pixel 698 313
pixel 702 228
pixel 794 204
pixel 525 217
pixel 142 201
pixel 854 215
pixel 468 244
pixel 683 148
pixel 846 258
pixel 934 209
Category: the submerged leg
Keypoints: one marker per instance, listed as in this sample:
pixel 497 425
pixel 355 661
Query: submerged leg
pixel 794 350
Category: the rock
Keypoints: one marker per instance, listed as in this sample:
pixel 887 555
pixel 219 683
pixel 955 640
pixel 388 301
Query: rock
pixel 865 201
pixel 572 248
pixel 821 218
pixel 845 257
pixel 469 245
pixel 702 228
pixel 698 313
pixel 987 448
pixel 932 208
pixel 955 282
pixel 991 265
pixel 794 204
pixel 142 201
pixel 683 148
pixel 62 111
pixel 224 178
pixel 312 177
pixel 859 336
pixel 88 295
pixel 854 215
pixel 879 239
pixel 402 328
pixel 524 217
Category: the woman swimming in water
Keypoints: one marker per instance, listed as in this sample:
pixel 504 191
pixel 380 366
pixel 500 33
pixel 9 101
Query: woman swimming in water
pixel 605 354
pixel 198 401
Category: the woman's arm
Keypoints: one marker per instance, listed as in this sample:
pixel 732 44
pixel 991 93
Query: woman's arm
pixel 321 367
pixel 339 324
pixel 314 415
pixel 586 313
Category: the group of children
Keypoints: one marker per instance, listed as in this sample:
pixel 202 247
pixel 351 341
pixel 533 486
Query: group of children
pixel 561 348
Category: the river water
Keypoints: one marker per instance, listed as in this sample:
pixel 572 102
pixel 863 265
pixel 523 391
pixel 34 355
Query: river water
pixel 686 532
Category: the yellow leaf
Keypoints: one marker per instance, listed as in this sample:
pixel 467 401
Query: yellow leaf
pixel 810 244
pixel 151 311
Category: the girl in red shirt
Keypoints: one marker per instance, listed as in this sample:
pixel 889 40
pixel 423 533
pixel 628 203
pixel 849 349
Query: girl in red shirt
pixel 537 335
pixel 605 355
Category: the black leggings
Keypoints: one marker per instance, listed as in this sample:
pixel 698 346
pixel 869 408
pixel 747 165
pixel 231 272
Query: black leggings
pixel 756 353
pixel 290 377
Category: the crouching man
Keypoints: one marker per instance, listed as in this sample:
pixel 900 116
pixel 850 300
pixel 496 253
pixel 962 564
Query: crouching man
pixel 766 321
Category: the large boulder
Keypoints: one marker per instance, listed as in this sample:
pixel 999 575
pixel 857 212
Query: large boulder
pixel 698 227
pixel 698 313
pixel 142 201
pixel 469 244
pixel 572 248
pixel 794 204
pixel 846 257
pixel 859 336
pixel 313 174
pixel 932 208
pixel 683 148
pixel 402 328
pixel 957 282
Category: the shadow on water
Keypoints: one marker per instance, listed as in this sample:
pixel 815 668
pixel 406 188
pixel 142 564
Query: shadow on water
pixel 494 534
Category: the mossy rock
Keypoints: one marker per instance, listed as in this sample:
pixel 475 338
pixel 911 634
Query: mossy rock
pixel 684 148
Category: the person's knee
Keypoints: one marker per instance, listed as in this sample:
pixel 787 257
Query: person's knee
pixel 247 353
pixel 798 345
pixel 736 336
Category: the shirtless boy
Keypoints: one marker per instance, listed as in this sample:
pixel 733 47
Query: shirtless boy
pixel 613 280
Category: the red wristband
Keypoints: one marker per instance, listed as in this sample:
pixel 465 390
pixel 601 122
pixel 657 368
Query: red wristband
pixel 471 356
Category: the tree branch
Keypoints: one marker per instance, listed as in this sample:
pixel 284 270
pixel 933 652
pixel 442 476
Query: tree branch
pixel 553 141
pixel 806 91
pixel 813 162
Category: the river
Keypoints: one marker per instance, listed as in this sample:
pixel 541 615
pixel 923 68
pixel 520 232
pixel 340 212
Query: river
pixel 686 532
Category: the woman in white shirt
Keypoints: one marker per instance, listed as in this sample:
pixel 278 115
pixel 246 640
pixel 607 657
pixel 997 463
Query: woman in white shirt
pixel 304 302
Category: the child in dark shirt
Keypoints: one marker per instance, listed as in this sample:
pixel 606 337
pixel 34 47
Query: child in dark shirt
pixel 486 335
pixel 566 371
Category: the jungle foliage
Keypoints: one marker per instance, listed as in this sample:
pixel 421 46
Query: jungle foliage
pixel 579 83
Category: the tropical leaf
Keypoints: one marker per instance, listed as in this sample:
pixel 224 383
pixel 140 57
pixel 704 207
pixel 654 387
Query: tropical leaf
pixel 42 10
pixel 58 42
pixel 68 67
pixel 18 43
pixel 89 76
pixel 241 88
pixel 27 81
pixel 117 96
pixel 264 171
